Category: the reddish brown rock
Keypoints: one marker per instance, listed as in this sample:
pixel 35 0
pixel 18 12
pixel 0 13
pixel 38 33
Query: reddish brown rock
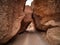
pixel 53 36
pixel 45 10
pixel 11 14
pixel 46 17
pixel 28 13
pixel 27 18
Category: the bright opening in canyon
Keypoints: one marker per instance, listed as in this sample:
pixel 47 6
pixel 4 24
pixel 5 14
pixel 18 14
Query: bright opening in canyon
pixel 28 2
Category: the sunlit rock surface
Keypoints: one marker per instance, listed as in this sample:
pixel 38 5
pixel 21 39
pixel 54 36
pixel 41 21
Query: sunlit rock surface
pixel 31 27
pixel 11 14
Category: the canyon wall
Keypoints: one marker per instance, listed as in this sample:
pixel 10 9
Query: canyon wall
pixel 44 11
pixel 46 15
pixel 11 14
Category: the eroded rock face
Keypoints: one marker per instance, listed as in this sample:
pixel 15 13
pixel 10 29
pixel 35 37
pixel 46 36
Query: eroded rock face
pixel 27 18
pixel 11 14
pixel 44 11
pixel 46 17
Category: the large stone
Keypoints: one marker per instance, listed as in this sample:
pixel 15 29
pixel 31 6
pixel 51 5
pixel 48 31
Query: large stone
pixel 44 11
pixel 11 14
pixel 53 36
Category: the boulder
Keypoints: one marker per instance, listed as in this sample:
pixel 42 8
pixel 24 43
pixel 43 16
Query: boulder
pixel 53 36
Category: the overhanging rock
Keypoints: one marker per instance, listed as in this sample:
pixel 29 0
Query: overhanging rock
pixel 44 11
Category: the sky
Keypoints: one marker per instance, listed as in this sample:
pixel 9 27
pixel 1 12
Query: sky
pixel 28 2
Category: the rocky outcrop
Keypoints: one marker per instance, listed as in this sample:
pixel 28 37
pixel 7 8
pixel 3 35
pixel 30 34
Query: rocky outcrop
pixel 44 11
pixel 11 14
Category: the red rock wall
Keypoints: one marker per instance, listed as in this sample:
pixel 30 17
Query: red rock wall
pixel 48 11
pixel 11 14
pixel 45 10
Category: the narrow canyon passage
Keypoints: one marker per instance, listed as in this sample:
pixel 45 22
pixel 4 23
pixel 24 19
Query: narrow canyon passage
pixel 28 38
pixel 29 22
